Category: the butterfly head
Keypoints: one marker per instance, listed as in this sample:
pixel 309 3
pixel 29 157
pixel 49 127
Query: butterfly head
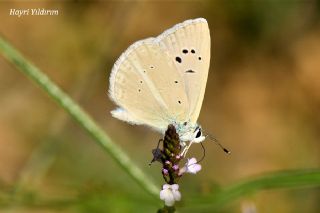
pixel 189 132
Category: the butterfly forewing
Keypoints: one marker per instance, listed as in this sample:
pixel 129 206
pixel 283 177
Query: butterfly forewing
pixel 146 84
pixel 188 44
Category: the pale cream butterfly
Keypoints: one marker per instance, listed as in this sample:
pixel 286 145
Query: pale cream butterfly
pixel 162 80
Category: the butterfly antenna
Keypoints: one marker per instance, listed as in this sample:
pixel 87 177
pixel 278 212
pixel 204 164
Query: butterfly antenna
pixel 218 143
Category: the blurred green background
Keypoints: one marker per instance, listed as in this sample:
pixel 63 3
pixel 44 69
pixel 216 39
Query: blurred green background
pixel 262 102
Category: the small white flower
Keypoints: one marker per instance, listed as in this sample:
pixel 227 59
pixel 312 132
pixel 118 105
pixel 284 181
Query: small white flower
pixel 190 167
pixel 169 194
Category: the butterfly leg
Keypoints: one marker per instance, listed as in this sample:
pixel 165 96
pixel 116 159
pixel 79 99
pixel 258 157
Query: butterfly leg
pixel 156 153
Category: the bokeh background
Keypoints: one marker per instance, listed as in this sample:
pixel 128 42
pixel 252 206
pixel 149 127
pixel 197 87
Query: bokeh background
pixel 262 102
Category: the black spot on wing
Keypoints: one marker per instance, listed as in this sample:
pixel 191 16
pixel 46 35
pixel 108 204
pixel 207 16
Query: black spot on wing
pixel 199 58
pixel 190 71
pixel 185 51
pixel 178 59
pixel 193 51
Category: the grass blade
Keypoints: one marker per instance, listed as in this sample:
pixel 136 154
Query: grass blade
pixel 78 114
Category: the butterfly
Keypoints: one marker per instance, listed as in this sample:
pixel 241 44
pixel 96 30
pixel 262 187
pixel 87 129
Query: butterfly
pixel 161 80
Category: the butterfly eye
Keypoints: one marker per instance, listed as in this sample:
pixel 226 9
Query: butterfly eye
pixel 198 133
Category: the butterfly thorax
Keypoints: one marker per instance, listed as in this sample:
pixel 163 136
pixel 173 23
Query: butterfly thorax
pixel 189 132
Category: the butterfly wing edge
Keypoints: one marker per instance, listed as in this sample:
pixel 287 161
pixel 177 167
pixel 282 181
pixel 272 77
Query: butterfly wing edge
pixel 178 26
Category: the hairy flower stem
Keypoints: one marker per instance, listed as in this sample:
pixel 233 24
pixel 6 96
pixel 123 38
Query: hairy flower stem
pixel 171 155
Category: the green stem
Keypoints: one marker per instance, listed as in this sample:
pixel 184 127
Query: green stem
pixel 82 118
